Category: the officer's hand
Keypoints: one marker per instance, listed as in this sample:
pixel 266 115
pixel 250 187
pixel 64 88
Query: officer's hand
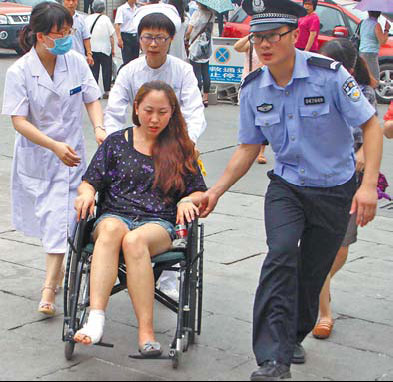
pixel 360 162
pixel 365 204
pixel 100 135
pixel 83 203
pixel 120 43
pixel 208 203
pixel 66 154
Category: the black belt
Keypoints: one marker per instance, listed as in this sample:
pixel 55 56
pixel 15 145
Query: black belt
pixel 130 34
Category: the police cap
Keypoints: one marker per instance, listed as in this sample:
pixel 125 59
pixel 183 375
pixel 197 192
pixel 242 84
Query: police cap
pixel 272 14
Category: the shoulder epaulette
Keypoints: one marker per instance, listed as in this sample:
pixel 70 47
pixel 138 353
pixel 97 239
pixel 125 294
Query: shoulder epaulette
pixel 325 63
pixel 250 77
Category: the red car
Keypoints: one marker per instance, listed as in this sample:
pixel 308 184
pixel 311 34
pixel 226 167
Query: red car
pixel 338 19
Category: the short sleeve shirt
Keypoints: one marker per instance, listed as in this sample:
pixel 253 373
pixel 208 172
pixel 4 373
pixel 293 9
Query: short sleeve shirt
pixel 308 24
pixel 125 17
pixel 81 34
pixel 308 123
pixel 102 32
pixel 126 176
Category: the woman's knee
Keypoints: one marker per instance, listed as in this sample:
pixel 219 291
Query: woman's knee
pixel 135 247
pixel 112 230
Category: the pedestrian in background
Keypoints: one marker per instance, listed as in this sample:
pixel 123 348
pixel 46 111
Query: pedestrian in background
pixel 344 51
pixel 371 39
pixel 81 37
pixel 177 48
pixel 309 28
pixel 251 63
pixel 102 44
pixel 126 31
pixel 44 95
pixel 305 106
pixel 199 35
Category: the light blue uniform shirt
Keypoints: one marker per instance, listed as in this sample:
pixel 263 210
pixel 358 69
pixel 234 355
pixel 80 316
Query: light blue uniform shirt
pixel 80 35
pixel 308 123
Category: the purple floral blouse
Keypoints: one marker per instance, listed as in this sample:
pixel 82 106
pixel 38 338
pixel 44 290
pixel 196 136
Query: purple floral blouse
pixel 127 176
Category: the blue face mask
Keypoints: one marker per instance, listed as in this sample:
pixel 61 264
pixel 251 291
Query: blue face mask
pixel 62 46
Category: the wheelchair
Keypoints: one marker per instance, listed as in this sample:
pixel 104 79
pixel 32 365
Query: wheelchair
pixel 188 262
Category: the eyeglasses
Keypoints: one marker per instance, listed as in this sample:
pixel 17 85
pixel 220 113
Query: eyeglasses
pixel 271 38
pixel 70 32
pixel 159 40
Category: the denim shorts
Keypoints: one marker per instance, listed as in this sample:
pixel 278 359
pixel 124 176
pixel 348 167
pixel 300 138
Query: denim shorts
pixel 133 224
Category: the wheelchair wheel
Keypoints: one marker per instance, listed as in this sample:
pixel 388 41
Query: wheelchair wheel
pixel 76 289
pixel 193 291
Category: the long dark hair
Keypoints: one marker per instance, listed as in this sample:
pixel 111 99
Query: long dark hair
pixel 179 5
pixel 343 50
pixel 43 18
pixel 173 151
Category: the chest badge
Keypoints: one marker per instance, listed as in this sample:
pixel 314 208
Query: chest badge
pixel 314 100
pixel 265 108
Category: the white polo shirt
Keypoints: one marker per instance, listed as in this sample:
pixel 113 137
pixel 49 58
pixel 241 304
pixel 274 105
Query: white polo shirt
pixel 125 17
pixel 81 33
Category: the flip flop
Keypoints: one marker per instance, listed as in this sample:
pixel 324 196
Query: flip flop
pixel 150 350
pixel 323 329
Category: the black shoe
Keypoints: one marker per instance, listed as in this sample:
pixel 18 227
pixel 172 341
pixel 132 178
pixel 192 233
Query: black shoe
pixel 299 356
pixel 271 371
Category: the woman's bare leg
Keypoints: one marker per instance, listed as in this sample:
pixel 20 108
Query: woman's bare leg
pixel 104 267
pixel 139 247
pixel 324 299
pixel 54 263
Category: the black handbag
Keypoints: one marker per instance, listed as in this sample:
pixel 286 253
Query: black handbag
pixel 355 38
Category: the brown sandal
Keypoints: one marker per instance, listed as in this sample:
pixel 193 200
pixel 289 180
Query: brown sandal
pixel 323 329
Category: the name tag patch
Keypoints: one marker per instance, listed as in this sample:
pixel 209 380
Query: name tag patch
pixel 352 90
pixel 75 91
pixel 265 108
pixel 314 100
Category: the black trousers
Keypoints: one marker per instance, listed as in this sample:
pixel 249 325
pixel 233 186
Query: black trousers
pixel 203 76
pixel 103 61
pixel 131 47
pixel 305 228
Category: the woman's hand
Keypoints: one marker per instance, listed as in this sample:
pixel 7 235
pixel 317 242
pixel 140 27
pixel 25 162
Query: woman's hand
pixel 83 203
pixel 100 135
pixel 186 211
pixel 66 154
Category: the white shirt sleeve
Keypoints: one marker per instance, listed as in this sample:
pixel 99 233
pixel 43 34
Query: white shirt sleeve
pixel 15 100
pixel 85 31
pixel 119 99
pixel 111 29
pixel 90 90
pixel 192 105
pixel 119 16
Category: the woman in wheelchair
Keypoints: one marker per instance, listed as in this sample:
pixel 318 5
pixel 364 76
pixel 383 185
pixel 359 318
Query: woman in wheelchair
pixel 151 181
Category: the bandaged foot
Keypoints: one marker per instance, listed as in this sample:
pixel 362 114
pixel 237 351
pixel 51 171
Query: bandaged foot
pixel 93 331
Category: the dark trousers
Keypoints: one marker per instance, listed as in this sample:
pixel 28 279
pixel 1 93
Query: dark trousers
pixel 305 228
pixel 203 76
pixel 131 48
pixel 220 19
pixel 103 61
pixel 87 6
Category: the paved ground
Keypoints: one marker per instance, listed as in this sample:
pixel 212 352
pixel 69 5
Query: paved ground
pixel 360 349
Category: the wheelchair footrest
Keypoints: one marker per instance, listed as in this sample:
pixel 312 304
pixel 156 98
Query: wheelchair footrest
pixel 105 345
pixel 139 357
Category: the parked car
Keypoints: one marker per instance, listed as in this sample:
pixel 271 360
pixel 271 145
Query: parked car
pixel 13 17
pixel 338 19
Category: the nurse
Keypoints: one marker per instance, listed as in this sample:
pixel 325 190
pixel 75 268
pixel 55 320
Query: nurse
pixel 44 94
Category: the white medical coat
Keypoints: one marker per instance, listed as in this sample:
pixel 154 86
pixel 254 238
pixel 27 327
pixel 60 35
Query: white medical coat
pixel 174 72
pixel 43 188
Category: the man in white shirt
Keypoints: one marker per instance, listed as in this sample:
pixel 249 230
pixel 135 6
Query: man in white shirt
pixel 81 38
pixel 157 65
pixel 102 44
pixel 126 31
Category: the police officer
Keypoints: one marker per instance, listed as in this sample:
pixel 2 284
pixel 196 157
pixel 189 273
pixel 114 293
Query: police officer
pixel 304 105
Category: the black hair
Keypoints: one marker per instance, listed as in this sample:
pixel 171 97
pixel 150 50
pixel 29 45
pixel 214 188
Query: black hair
pixel 344 50
pixel 314 3
pixel 374 14
pixel 157 21
pixel 44 17
pixel 179 5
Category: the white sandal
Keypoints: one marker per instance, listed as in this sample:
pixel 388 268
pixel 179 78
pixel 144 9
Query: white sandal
pixel 46 307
